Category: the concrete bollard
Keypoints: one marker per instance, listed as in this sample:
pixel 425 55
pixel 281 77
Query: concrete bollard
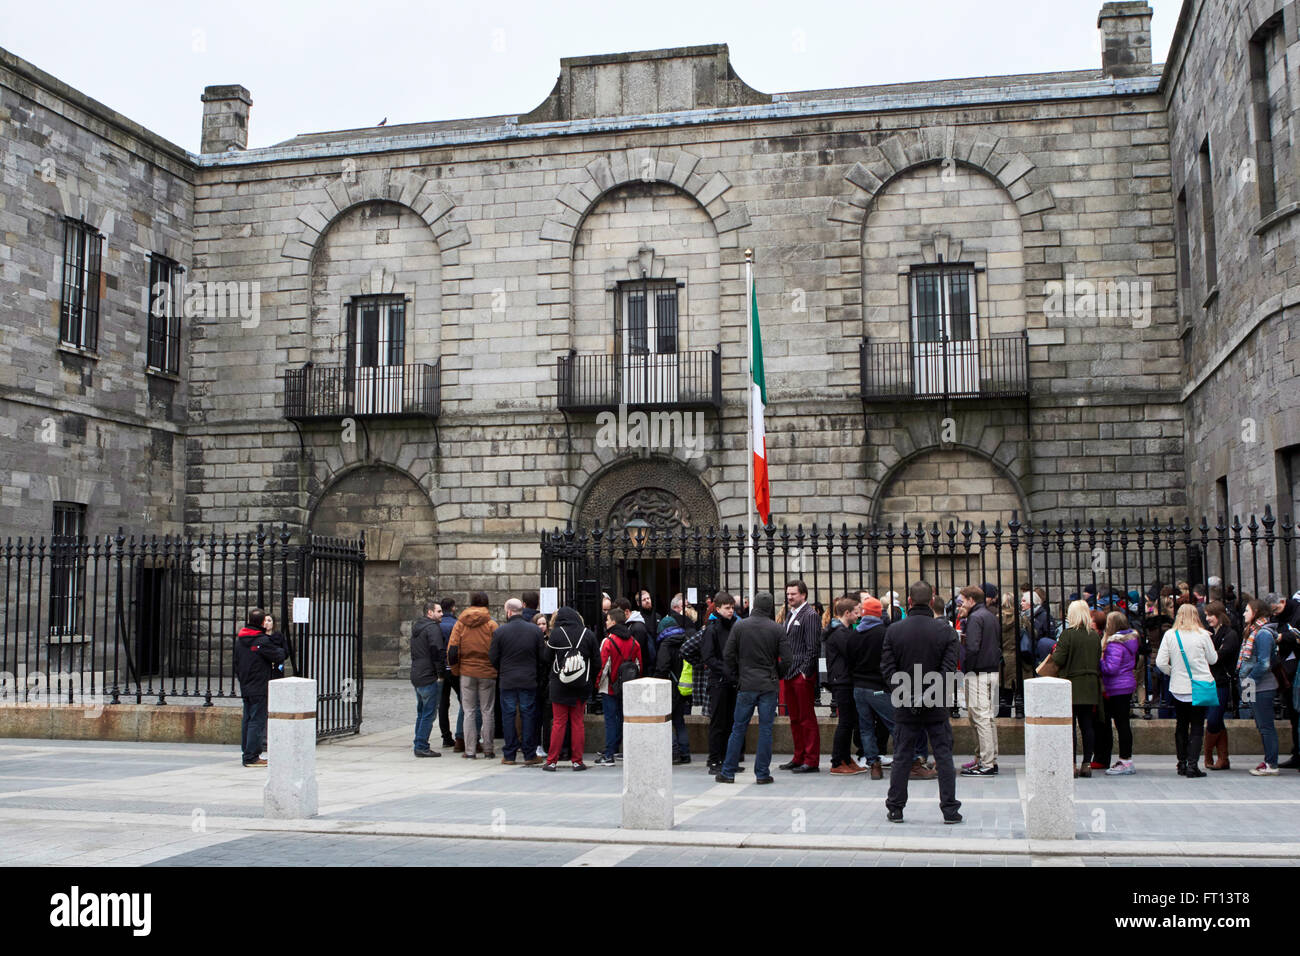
pixel 647 755
pixel 290 792
pixel 1049 760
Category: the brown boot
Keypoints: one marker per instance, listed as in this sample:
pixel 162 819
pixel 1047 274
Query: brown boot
pixel 1210 740
pixel 877 771
pixel 1221 746
pixel 1085 769
pixel 921 772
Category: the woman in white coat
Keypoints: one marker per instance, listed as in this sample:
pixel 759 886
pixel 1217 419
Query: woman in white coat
pixel 1198 653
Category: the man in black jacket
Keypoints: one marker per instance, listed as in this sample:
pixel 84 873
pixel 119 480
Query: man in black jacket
pixel 426 664
pixel 532 602
pixel 255 660
pixel 756 655
pixel 983 660
pixel 516 653
pixel 712 642
pixel 919 661
pixel 450 684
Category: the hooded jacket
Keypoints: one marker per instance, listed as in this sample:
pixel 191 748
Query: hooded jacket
pixel 619 646
pixel 1118 661
pixel 255 660
pixel 645 637
pixel 674 629
pixel 569 654
pixel 471 644
pixel 758 652
pixel 866 667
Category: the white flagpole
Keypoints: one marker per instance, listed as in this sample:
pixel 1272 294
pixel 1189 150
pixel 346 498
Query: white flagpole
pixel 749 416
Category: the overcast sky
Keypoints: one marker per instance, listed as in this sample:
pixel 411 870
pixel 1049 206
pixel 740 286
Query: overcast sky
pixel 322 66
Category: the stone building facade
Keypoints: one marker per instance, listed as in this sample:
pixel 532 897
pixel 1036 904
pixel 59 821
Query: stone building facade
pixel 969 292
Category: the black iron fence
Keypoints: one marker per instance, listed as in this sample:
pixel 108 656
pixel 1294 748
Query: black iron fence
pixel 320 392
pixel 646 379
pixel 1103 557
pixel 948 368
pixel 136 618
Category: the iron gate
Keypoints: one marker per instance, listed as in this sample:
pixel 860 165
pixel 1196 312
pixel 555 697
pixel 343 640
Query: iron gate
pixel 149 619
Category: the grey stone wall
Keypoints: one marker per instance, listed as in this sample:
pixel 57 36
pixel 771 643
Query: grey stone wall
pixel 92 429
pixel 1240 332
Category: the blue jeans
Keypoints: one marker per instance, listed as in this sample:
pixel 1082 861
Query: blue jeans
pixel 523 702
pixel 1263 710
pixel 613 709
pixel 426 708
pixel 872 705
pixel 746 702
pixel 252 729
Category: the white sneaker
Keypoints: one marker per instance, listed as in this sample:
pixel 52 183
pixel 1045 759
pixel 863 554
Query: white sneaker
pixel 541 751
pixel 886 761
pixel 1264 770
pixel 1122 768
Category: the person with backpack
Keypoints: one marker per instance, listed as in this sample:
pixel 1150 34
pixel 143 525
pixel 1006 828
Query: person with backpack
pixel 1186 653
pixel 569 656
pixel 640 631
pixel 1259 686
pixel 1119 653
pixel 620 661
pixel 707 648
pixel 674 628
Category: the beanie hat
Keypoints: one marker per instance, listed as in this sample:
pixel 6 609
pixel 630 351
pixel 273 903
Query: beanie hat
pixel 873 608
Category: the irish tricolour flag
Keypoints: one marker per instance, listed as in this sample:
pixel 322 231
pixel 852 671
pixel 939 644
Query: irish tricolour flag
pixel 757 403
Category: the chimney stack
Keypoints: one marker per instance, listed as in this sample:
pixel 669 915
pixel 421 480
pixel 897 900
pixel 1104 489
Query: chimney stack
pixel 1125 38
pixel 225 118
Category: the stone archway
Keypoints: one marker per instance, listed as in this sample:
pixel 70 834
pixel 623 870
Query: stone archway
pixel 648 493
pixel 401 557
pixel 663 493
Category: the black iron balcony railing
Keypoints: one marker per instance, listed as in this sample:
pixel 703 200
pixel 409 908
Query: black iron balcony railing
pixel 320 392
pixel 648 380
pixel 948 368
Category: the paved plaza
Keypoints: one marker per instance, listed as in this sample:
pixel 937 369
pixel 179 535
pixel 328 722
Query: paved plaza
pixel 75 803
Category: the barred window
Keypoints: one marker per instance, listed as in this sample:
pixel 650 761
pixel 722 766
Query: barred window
pixel 163 342
pixel 943 303
pixel 642 330
pixel 83 246
pixel 67 567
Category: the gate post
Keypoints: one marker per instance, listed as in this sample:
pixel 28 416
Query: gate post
pixel 1049 760
pixel 647 755
pixel 290 792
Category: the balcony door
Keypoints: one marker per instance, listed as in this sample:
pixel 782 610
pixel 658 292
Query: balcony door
pixel 945 346
pixel 376 352
pixel 648 364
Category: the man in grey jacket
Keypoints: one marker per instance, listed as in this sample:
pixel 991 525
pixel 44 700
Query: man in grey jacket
pixel 756 655
pixel 983 639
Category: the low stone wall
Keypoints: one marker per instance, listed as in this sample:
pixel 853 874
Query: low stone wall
pixel 168 723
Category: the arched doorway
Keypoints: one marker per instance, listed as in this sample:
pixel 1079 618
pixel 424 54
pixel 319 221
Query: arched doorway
pixel 399 524
pixel 642 506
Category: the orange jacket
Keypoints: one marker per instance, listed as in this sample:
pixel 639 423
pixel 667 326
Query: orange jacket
pixel 472 638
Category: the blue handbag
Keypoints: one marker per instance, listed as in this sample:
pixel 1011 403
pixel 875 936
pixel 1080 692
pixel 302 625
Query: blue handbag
pixel 1204 692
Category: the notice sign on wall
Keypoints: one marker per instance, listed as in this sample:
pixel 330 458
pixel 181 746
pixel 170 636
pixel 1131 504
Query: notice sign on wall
pixel 692 596
pixel 548 600
pixel 301 610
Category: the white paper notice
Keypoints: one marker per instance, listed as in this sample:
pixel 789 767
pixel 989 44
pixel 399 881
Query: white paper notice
pixel 692 597
pixel 301 610
pixel 549 601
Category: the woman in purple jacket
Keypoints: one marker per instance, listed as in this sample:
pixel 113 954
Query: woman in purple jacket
pixel 1119 649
